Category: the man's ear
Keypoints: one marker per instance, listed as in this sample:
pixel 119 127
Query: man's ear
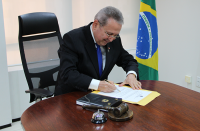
pixel 95 24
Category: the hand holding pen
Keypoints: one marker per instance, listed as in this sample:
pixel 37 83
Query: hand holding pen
pixel 111 83
pixel 106 86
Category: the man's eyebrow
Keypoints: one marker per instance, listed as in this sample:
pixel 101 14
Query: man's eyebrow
pixel 111 33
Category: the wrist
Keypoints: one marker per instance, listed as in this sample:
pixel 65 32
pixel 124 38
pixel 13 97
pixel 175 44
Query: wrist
pixel 132 74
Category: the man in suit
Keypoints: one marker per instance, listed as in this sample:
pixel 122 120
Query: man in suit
pixel 89 53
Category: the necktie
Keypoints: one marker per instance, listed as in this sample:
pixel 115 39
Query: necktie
pixel 99 55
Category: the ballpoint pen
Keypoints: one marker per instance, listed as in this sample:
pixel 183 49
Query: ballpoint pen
pixel 109 82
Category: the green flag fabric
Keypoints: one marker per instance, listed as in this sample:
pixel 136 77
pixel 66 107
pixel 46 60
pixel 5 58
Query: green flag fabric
pixel 147 41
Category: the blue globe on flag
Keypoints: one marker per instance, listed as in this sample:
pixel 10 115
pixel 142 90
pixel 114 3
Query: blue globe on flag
pixel 147 38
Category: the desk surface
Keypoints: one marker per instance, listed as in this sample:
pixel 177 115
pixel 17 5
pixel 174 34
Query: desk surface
pixel 176 109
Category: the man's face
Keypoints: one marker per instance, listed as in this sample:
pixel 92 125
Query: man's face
pixel 104 34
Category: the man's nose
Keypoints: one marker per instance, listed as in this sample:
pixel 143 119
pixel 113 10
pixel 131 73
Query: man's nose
pixel 111 39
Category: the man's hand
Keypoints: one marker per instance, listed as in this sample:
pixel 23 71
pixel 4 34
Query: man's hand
pixel 132 81
pixel 106 86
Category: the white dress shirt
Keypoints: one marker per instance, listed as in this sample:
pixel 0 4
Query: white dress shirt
pixel 95 83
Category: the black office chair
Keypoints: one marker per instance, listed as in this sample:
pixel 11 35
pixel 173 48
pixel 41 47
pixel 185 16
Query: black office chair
pixel 39 40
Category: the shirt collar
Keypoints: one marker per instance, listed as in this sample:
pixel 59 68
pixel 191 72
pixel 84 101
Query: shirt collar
pixel 92 33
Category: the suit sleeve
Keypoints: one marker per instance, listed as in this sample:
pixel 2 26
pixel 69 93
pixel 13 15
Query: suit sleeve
pixel 68 66
pixel 127 61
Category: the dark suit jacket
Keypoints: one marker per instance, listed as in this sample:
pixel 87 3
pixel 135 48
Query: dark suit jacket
pixel 79 63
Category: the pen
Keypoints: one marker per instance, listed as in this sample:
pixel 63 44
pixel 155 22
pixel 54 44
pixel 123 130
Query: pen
pixel 109 82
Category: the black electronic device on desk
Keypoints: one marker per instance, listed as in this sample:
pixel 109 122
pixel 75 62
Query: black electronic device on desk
pixel 99 100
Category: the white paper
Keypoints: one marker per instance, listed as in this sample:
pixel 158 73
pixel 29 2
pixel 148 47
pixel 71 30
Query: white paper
pixel 127 94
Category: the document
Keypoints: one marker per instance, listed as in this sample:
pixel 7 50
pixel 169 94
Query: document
pixel 141 97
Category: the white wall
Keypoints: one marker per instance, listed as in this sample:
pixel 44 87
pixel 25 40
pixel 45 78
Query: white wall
pixel 18 84
pixel 85 10
pixel 14 92
pixel 5 107
pixel 14 8
pixel 179 47
pixel 178 35
pixel 178 41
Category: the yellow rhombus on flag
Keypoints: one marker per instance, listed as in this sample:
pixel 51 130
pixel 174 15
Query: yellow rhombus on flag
pixel 147 41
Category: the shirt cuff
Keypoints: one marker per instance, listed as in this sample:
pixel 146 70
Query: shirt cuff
pixel 132 72
pixel 94 84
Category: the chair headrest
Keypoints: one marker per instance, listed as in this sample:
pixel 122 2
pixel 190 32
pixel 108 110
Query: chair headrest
pixel 38 22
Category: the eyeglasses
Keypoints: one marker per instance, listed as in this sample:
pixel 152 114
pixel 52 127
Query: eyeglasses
pixel 113 36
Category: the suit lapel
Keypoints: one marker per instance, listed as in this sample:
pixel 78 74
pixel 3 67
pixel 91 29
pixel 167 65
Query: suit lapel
pixel 109 54
pixel 91 50
pixel 90 47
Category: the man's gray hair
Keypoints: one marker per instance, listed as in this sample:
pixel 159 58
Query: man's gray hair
pixel 109 12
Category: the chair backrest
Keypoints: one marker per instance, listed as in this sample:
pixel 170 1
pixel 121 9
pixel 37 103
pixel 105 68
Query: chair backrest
pixel 39 40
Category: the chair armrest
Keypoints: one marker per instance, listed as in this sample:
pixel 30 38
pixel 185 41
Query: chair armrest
pixel 40 92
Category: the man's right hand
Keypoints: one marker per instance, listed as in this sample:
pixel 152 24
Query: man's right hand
pixel 106 86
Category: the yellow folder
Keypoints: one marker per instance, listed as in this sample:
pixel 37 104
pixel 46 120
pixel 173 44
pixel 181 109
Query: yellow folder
pixel 144 101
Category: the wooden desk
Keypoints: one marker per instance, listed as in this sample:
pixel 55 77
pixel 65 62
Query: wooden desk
pixel 177 109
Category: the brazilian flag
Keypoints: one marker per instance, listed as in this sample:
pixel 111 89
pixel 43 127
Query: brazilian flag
pixel 147 41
